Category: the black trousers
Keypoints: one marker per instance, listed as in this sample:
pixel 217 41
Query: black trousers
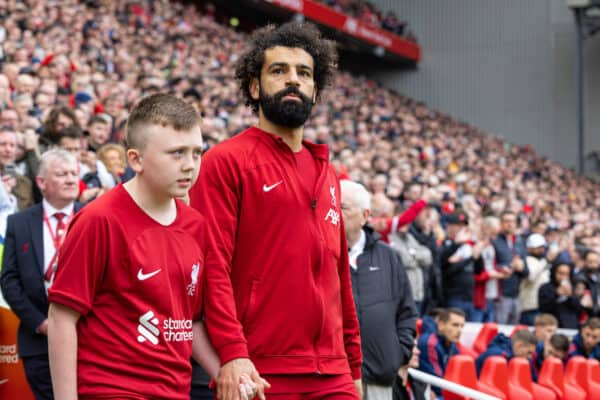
pixel 201 392
pixel 37 371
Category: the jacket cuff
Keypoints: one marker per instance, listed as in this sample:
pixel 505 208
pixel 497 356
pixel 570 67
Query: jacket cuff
pixel 356 372
pixel 231 351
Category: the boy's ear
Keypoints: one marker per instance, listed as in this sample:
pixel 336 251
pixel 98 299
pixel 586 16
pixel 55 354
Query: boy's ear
pixel 134 158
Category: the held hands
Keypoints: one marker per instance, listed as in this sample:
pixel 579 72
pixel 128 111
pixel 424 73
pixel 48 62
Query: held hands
pixel 517 264
pixel 238 378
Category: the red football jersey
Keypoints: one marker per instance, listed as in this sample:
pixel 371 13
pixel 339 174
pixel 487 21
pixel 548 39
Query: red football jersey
pixel 137 285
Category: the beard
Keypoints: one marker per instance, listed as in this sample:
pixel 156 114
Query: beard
pixel 287 113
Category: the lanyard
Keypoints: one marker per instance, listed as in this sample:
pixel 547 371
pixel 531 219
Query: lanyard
pixel 57 241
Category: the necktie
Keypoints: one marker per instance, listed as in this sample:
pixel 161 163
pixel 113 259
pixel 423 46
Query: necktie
pixel 57 238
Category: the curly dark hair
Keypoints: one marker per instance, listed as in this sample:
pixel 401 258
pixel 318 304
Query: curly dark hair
pixel 301 35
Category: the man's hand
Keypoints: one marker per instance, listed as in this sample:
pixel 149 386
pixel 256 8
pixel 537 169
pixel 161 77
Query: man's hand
pixel 359 388
pixel 229 379
pixel 517 264
pixel 43 328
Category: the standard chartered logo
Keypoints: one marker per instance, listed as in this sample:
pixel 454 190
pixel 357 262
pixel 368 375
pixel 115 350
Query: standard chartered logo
pixel 174 330
pixel 148 328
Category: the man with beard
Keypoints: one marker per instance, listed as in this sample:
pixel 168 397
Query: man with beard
pixel 279 298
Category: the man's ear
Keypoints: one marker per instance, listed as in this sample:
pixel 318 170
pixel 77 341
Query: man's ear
pixel 254 89
pixel 134 158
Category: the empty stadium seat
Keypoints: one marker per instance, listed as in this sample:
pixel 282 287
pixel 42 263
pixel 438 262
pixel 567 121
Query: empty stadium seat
pixel 593 379
pixel 488 331
pixel 552 377
pixel 576 372
pixel 461 370
pixel 520 385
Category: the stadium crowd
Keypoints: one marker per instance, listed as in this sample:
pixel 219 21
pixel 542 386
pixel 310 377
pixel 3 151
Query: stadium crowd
pixel 368 13
pixel 480 224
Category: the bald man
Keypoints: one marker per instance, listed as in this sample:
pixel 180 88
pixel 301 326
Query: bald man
pixel 382 295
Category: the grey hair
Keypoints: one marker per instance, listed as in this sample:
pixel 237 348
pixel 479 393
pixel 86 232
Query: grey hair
pixel 358 194
pixel 52 155
pixel 491 221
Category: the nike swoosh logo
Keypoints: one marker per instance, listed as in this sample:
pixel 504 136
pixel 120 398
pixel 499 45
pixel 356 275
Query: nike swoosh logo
pixel 273 186
pixel 3 381
pixel 142 277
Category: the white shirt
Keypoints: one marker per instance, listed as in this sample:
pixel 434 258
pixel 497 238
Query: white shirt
pixel 357 249
pixel 49 249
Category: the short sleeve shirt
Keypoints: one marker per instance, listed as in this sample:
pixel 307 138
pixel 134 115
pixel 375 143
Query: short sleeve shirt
pixel 137 285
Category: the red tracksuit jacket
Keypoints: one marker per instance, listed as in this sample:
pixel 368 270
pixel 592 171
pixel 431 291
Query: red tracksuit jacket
pixel 278 287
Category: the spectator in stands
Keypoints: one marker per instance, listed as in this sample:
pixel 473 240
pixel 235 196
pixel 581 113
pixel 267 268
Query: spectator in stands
pixel 558 297
pixel 590 276
pixel 98 133
pixel 539 274
pixel 22 187
pixel 586 342
pixel 58 119
pixel 458 265
pixel 437 347
pixel 556 346
pixel 387 314
pixel 112 155
pixel 487 277
pixel 510 256
pixel 521 344
pixel 422 229
pixel 417 261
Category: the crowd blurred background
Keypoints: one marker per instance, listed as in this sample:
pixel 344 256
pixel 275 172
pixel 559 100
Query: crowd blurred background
pixel 71 70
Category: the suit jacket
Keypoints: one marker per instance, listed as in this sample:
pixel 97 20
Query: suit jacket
pixel 22 278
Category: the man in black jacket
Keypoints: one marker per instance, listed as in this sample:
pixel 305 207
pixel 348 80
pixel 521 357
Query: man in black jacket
pixel 382 295
pixel 458 265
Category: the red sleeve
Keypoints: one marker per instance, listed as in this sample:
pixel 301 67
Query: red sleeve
pixel 483 276
pixel 350 322
pixel 82 263
pixel 216 195
pixel 408 216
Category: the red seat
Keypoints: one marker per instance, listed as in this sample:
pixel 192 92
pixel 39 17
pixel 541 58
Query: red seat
pixel 593 379
pixel 488 331
pixel 520 385
pixel 494 373
pixel 464 350
pixel 518 328
pixel 576 372
pixel 552 377
pixel 419 326
pixel 461 370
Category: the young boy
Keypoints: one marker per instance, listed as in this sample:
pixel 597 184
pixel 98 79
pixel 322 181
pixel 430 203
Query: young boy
pixel 126 301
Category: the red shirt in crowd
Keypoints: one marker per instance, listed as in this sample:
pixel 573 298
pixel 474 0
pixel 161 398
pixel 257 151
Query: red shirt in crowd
pixel 137 285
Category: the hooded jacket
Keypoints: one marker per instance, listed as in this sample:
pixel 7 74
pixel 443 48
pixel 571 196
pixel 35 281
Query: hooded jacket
pixel 435 353
pixel 385 308
pixel 577 349
pixel 278 285
pixel 501 346
pixel 567 310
